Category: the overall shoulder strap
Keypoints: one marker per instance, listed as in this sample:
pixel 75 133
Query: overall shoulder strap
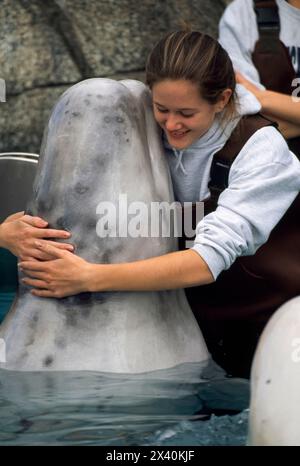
pixel 270 56
pixel 267 17
pixel 223 159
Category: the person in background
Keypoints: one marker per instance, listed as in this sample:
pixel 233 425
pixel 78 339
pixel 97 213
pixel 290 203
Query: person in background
pixel 263 42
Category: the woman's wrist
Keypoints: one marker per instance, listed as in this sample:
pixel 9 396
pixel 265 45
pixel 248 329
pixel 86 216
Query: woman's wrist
pixel 95 277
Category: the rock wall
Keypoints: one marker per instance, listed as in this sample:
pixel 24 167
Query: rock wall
pixel 48 45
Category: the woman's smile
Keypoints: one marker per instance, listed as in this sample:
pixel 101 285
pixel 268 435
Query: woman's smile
pixel 177 134
pixel 181 112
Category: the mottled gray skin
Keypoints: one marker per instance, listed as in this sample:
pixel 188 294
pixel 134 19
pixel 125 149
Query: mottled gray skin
pixel 274 418
pixel 101 141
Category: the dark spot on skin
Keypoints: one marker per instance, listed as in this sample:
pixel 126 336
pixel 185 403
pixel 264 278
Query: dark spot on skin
pixel 76 114
pixel 85 297
pixel 100 298
pixel 80 189
pixel 30 340
pixel 117 133
pixel 100 163
pixel 66 112
pixel 22 290
pixel 268 381
pixel 63 223
pixel 85 312
pixel 87 102
pixel 48 361
pixel 105 259
pixel 71 320
pixel 127 140
pixel 99 96
pixel 91 224
pixel 119 119
pixel 102 159
pixel 44 205
pixel 60 343
pixel 80 246
pixel 107 119
pixel 81 299
pixel 33 323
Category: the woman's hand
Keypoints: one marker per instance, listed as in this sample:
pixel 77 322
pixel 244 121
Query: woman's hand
pixel 20 234
pixel 65 276
pixel 276 106
pixel 240 79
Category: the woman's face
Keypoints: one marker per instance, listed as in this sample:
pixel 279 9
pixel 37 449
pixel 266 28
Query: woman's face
pixel 181 112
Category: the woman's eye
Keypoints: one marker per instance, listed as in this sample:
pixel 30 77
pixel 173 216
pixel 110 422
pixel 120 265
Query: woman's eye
pixel 187 115
pixel 162 110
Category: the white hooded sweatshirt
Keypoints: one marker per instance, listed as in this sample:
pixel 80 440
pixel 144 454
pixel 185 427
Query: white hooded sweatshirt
pixel 264 179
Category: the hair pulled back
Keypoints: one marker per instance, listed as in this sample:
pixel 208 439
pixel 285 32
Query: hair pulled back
pixel 196 57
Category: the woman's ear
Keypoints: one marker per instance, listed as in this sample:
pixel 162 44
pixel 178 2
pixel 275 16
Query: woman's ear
pixel 223 100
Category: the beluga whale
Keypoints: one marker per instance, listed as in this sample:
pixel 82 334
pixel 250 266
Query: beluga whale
pixel 274 418
pixel 102 144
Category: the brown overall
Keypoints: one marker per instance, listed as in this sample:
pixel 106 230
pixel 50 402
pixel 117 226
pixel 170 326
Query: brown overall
pixel 271 57
pixel 233 311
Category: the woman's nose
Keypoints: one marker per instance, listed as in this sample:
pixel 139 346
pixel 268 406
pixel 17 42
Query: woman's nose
pixel 172 122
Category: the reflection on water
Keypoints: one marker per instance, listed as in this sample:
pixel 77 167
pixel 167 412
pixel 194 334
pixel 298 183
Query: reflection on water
pixel 178 406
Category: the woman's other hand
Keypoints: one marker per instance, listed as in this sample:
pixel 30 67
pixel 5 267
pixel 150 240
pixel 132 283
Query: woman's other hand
pixel 66 275
pixel 21 234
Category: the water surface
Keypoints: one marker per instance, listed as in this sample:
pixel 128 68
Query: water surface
pixel 191 404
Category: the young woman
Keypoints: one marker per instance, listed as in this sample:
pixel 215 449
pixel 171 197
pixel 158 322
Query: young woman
pixel 197 105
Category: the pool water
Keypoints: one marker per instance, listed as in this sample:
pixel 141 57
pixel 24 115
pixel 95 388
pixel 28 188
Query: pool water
pixel 191 404
pixel 6 300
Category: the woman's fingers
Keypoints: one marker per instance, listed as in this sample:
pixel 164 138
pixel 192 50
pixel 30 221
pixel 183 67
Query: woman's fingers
pixel 53 250
pixel 35 283
pixel 41 230
pixel 36 266
pixel 37 222
pixel 39 250
pixel 67 246
pixel 44 293
pixel 51 233
pixel 43 266
pixel 36 274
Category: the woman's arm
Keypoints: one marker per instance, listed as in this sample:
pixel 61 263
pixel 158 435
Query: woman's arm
pixel 287 129
pixel 69 274
pixel 275 105
pixel 280 106
pixel 19 234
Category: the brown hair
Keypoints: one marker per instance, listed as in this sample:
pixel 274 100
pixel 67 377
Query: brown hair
pixel 196 57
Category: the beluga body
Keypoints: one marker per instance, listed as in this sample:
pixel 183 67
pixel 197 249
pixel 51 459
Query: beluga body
pixel 102 144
